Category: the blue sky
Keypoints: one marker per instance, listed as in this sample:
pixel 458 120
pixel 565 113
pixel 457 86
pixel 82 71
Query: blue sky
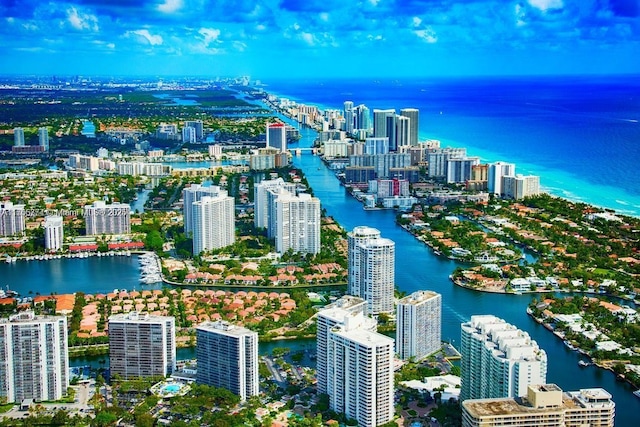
pixel 303 38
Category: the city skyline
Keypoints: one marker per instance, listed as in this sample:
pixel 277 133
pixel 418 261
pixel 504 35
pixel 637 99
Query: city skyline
pixel 288 38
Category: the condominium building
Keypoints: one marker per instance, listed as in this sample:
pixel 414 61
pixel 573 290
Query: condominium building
pixel 142 345
pixel 498 359
pixel 376 145
pixel 438 159
pixel 297 223
pixel 371 264
pixel 214 224
pixel 418 325
pixel 228 358
pixel 215 151
pixel 543 406
pixel 101 218
pixel 194 193
pixel 414 124
pixel 330 316
pixel 277 136
pixel 53 233
pixel 459 170
pixel 348 114
pixel 188 135
pixel 43 138
pixel 12 219
pixel 261 201
pixel 497 171
pixel 403 132
pixel 384 125
pixel 520 186
pixel 34 358
pixel 197 126
pixel 18 137
pixel 360 373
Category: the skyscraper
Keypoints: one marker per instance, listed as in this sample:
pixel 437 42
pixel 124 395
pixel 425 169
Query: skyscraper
pixel 260 198
pixel 360 373
pixel 544 405
pixel 330 316
pixel 214 224
pixel 12 219
pixel 497 171
pixel 418 325
pixel 459 170
pixel 363 118
pixel 142 345
pixel 297 223
pixel 498 360
pixel 197 126
pixel 376 145
pixel 371 269
pixel 18 137
pixel 384 124
pixel 53 233
pixel 43 138
pixel 414 125
pixel 191 194
pixel 348 115
pixel 34 358
pixel 520 186
pixel 100 218
pixel 403 132
pixel 277 136
pixel 228 358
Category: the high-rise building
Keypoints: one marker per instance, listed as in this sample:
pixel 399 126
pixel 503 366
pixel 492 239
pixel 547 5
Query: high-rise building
pixel 197 126
pixel 277 136
pixel 414 125
pixel 214 223
pixel 459 170
pixel 327 318
pixel 53 233
pixel 34 358
pixel 360 373
pixel 228 358
pixel 12 219
pixel 371 269
pixel 190 195
pixel 363 119
pixel 438 158
pixel 544 405
pixel 384 124
pixel 520 186
pixel 189 135
pixel 403 132
pixel 142 345
pixel 348 115
pixel 261 202
pixel 215 151
pixel 418 325
pixel 100 218
pixel 376 145
pixel 297 223
pixel 43 138
pixel 498 360
pixel 18 137
pixel 497 171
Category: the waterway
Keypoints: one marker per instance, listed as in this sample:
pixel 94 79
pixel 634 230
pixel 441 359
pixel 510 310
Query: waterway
pixel 417 268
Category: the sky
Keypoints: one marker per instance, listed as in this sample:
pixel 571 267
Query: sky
pixel 307 38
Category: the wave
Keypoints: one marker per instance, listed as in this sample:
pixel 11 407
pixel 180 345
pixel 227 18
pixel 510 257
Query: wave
pixel 622 202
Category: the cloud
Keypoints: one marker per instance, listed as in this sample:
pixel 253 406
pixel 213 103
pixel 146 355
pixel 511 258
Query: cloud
pixel 82 21
pixel 209 35
pixel 545 5
pixel 427 34
pixel 144 36
pixel 170 6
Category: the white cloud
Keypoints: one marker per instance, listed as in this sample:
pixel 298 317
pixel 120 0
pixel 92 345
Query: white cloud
pixel 81 21
pixel 427 34
pixel 209 35
pixel 144 35
pixel 261 27
pixel 520 16
pixel 324 16
pixel 545 5
pixel 308 38
pixel 239 46
pixel 416 21
pixel 170 6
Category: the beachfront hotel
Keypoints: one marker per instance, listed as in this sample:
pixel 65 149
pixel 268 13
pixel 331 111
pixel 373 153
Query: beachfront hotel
pixel 214 222
pixel 543 406
pixel 11 219
pixel 100 218
pixel 53 233
pixel 418 325
pixel 142 345
pixel 497 171
pixel 498 359
pixel 520 186
pixel 371 268
pixel 332 315
pixel 228 358
pixel 34 358
pixel 360 372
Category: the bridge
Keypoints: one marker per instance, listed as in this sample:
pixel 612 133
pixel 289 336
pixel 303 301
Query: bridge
pixel 298 151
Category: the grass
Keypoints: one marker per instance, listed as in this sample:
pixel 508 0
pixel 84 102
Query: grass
pixel 6 407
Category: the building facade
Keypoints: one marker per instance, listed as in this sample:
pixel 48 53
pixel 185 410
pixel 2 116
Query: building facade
pixel 419 325
pixel 214 224
pixel 190 195
pixel 498 359
pixel 43 138
pixel 142 345
pixel 34 357
pixel 100 218
pixel 297 223
pixel 277 136
pixel 497 171
pixel 228 358
pixel 414 125
pixel 53 233
pixel 12 219
pixel 261 200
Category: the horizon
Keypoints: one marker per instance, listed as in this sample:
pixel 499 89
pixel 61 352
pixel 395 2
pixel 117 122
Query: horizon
pixel 328 39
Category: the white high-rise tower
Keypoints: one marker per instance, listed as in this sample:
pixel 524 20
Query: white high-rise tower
pixel 53 233
pixel 418 325
pixel 214 223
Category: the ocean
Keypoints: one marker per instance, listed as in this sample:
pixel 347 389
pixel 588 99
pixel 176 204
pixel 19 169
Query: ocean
pixel 581 135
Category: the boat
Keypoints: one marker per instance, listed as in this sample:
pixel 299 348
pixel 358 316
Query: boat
pixel 637 393
pixel 582 363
